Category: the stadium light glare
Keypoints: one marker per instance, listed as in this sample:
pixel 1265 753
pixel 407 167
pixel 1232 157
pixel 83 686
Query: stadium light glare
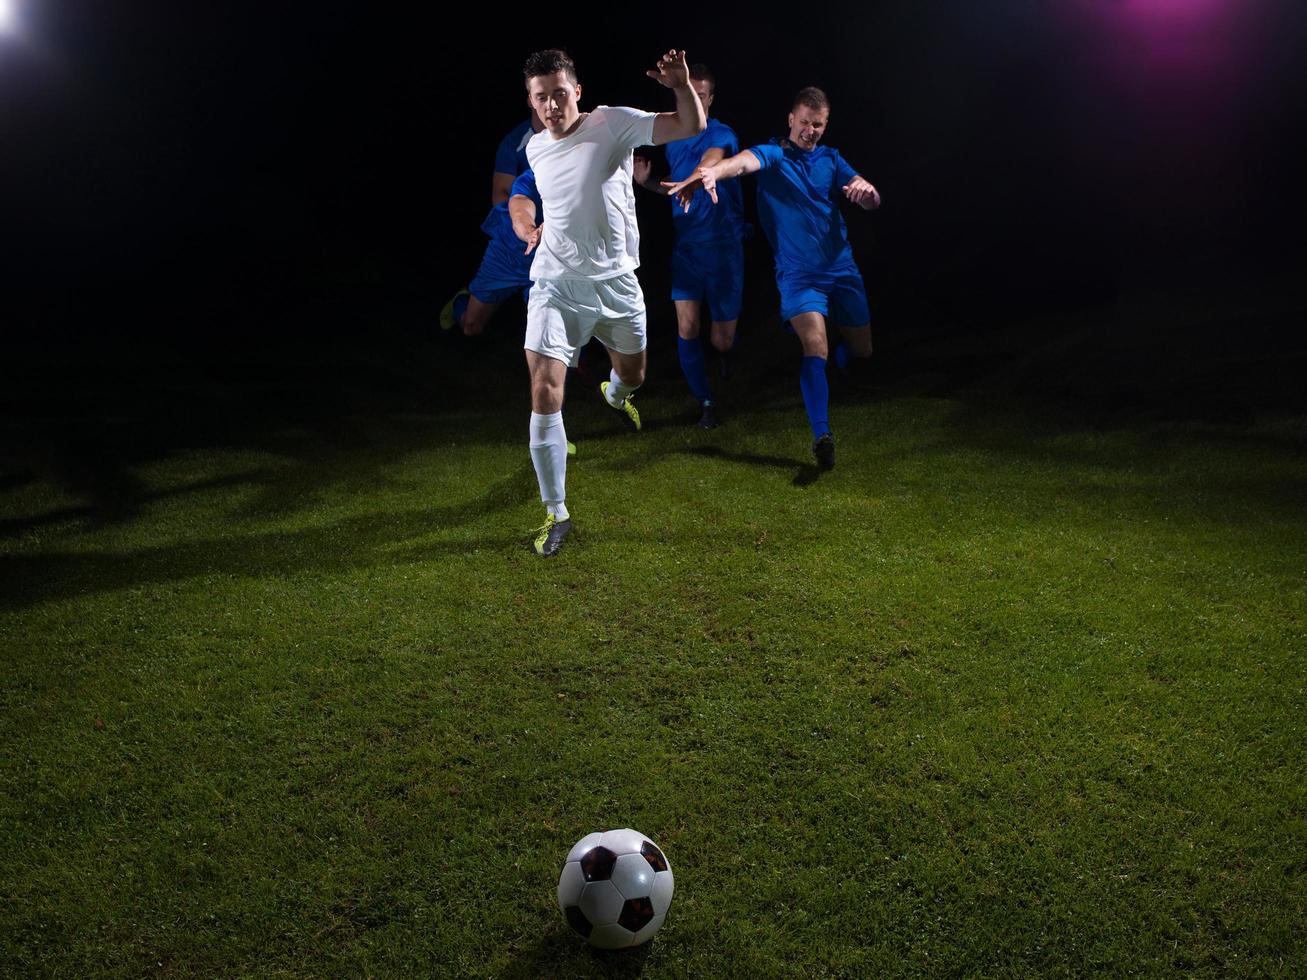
pixel 8 17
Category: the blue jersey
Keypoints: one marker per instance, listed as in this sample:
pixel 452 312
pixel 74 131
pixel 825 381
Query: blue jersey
pixel 499 224
pixel 798 205
pixel 706 223
pixel 510 158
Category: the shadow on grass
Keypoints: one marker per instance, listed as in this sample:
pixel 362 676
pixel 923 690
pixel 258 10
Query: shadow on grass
pixel 809 473
pixel 563 954
pixel 119 500
pixel 749 459
pixel 362 542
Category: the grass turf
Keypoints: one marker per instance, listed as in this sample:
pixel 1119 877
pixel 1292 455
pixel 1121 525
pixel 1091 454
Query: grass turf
pixel 1017 689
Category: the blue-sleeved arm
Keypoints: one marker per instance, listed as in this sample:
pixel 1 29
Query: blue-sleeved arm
pixel 843 172
pixel 768 154
pixel 525 184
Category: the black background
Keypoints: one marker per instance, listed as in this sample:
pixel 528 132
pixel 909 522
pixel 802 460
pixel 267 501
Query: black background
pixel 219 171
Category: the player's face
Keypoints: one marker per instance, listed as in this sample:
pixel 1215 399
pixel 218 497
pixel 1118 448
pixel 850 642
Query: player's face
pixel 553 98
pixel 807 126
pixel 704 90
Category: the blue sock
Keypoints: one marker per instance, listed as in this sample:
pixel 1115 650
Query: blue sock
pixel 816 394
pixel 460 307
pixel 842 357
pixel 691 352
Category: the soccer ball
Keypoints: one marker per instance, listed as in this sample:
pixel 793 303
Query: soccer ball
pixel 615 888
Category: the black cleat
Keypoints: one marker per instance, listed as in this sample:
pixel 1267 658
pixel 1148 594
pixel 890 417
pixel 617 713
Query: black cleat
pixel 707 415
pixel 824 450
pixel 550 537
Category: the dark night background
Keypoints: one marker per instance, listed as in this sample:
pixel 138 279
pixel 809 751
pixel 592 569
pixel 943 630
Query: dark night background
pixel 219 176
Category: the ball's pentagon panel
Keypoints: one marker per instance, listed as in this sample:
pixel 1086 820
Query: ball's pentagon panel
pixel 597 864
pixel 636 914
pixel 649 850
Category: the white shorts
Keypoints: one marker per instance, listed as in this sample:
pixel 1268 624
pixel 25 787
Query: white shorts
pixel 563 314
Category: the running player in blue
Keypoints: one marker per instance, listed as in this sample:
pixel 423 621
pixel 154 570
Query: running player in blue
pixel 708 259
pixel 504 269
pixel 799 189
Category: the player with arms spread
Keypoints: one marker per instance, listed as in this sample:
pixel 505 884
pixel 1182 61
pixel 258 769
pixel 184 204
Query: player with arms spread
pixel 708 258
pixel 799 189
pixel 586 252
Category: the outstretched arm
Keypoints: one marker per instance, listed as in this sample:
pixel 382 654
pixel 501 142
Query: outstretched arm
pixel 689 119
pixel 522 211
pixel 644 169
pixel 744 162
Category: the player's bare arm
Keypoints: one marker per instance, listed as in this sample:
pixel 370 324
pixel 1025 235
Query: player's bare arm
pixel 862 193
pixel 501 188
pixel 707 177
pixel 522 211
pixel 689 119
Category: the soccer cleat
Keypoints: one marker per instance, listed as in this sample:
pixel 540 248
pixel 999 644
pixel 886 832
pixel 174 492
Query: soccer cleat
pixel 550 537
pixel 571 449
pixel 447 320
pixel 824 450
pixel 707 415
pixel 629 414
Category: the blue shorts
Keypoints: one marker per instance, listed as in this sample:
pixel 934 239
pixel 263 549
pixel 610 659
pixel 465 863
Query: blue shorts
pixel 504 271
pixel 710 272
pixel 837 294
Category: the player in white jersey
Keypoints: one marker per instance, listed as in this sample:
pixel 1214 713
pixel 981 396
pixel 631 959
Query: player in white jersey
pixel 586 252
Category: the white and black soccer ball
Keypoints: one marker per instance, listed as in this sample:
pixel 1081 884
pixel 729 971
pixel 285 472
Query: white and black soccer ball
pixel 615 888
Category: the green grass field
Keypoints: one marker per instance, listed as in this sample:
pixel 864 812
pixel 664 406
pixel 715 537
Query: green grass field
pixel 1017 689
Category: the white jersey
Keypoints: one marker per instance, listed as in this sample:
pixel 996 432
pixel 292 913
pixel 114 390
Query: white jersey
pixel 584 180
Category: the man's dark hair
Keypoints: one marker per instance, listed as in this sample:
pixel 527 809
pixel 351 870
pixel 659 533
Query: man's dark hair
pixel 812 97
pixel 548 62
pixel 702 73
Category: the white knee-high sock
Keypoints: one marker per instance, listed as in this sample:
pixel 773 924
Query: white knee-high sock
pixel 549 454
pixel 617 391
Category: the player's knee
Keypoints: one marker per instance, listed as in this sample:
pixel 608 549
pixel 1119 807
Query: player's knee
pixel 546 396
pixel 688 331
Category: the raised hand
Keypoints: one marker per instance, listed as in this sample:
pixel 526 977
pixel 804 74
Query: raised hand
pixel 673 70
pixel 862 193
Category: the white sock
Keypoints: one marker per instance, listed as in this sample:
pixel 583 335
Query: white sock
pixel 616 390
pixel 549 454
